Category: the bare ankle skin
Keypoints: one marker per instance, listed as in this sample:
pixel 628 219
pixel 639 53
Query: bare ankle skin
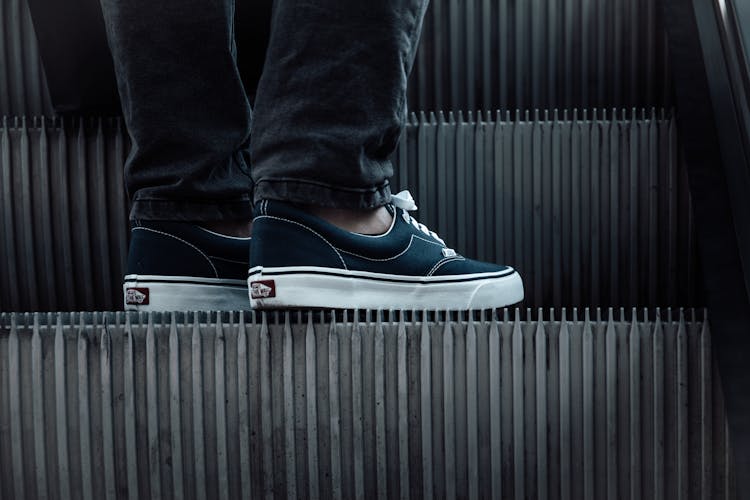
pixel 237 229
pixel 371 222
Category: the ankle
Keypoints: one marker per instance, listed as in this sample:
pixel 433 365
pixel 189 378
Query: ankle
pixel 236 229
pixel 363 221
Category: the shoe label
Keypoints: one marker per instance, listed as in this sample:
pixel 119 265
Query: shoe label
pixel 136 296
pixel 263 289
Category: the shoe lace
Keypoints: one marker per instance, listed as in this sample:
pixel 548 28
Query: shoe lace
pixel 405 202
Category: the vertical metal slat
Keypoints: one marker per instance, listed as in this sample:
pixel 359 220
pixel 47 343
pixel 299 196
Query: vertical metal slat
pixel 37 388
pixel 425 375
pixel 565 410
pixel 588 408
pixel 449 411
pixel 175 399
pixel 519 479
pixel 658 416
pixel 84 410
pixel 682 408
pixel 634 342
pixel 403 411
pixel 611 405
pixel 312 409
pixel 199 447
pixel 14 390
pixel 540 362
pixel 108 441
pixel 335 413
pixel 357 414
pixel 152 410
pixel 472 418
pixel 63 459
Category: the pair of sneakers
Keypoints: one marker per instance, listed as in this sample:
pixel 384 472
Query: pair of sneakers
pixel 297 260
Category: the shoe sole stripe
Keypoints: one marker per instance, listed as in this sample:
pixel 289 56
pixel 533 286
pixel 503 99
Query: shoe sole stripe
pixel 417 280
pixel 188 280
pixel 203 283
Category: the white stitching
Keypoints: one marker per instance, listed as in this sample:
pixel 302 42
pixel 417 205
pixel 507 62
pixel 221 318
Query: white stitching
pixel 412 237
pixel 402 252
pixel 228 260
pixel 387 233
pixel 428 241
pixel 312 231
pixel 241 238
pixel 185 242
pixel 443 261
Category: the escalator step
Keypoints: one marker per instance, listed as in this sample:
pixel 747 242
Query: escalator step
pixel 591 207
pixel 570 404
pixel 23 89
pixel 475 54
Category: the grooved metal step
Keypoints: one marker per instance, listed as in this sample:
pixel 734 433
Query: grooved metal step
pixel 475 54
pixel 23 88
pixel 564 404
pixel 506 54
pixel 592 207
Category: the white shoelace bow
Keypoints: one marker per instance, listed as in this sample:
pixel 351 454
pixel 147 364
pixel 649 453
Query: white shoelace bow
pixel 405 201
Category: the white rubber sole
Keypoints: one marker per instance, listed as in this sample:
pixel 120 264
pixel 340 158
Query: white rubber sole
pixel 183 293
pixel 302 287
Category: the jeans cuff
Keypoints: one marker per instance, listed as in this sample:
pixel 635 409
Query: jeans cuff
pixel 322 195
pixel 192 210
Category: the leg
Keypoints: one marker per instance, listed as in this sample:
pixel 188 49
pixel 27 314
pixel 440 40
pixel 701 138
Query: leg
pixel 331 102
pixel 189 120
pixel 185 108
pixel 330 108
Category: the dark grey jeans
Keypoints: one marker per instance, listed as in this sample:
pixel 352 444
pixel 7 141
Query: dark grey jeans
pixel 328 112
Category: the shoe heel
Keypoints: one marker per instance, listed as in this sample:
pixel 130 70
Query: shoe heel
pixel 169 293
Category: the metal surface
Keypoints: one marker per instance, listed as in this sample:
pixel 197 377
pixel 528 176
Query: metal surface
pixel 591 208
pixel 506 54
pixel 23 89
pixel 585 404
pixel 77 62
pixel 63 214
pixel 475 54
pixel 712 71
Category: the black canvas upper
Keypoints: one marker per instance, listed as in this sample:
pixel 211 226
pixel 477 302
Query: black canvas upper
pixel 184 249
pixel 284 235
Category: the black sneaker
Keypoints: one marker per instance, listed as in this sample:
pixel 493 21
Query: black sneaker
pixel 179 266
pixel 299 260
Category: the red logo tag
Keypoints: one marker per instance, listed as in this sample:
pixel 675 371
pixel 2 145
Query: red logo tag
pixel 136 296
pixel 262 289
